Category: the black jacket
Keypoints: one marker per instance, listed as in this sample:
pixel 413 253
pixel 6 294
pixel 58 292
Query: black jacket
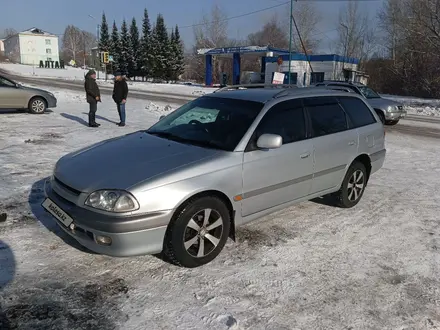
pixel 120 91
pixel 92 89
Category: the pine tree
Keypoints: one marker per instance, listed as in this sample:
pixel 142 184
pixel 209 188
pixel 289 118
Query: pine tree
pixel 104 39
pixel 171 67
pixel 115 47
pixel 133 65
pixel 163 48
pixel 154 49
pixel 179 60
pixel 145 57
pixel 126 55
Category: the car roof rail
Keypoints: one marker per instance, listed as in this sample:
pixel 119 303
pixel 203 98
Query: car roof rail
pixel 336 88
pixel 248 86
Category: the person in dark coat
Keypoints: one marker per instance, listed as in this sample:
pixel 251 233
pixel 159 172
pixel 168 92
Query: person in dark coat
pixel 120 93
pixel 93 96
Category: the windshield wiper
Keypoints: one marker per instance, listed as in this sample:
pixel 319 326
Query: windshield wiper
pixel 200 143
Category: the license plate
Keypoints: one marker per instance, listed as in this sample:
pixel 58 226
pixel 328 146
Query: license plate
pixel 57 212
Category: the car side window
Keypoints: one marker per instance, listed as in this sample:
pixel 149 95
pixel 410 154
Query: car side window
pixel 286 119
pixel 359 114
pixel 326 115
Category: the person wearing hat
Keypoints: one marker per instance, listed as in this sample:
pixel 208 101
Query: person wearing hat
pixel 93 96
pixel 120 93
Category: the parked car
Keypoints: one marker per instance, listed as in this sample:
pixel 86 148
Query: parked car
pixel 389 111
pixel 15 96
pixel 182 186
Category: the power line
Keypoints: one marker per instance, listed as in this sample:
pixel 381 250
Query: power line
pixel 237 16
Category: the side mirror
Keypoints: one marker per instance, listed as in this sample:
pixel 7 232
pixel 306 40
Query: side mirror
pixel 161 117
pixel 269 141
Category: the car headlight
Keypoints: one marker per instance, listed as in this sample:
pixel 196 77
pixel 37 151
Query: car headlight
pixel 391 108
pixel 112 201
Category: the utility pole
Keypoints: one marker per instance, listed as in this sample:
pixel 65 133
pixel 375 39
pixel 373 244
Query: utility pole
pixel 290 37
pixel 345 47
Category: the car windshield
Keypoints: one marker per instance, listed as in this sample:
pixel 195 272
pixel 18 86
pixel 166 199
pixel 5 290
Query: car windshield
pixel 6 82
pixel 368 92
pixel 209 121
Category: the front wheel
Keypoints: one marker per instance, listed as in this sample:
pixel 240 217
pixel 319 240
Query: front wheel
pixel 37 105
pixel 391 122
pixel 353 186
pixel 198 233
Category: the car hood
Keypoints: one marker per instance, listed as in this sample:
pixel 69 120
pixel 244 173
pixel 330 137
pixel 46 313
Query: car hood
pixel 37 90
pixel 382 103
pixel 122 162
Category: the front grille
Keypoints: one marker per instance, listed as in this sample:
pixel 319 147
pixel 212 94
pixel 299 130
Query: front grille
pixel 70 189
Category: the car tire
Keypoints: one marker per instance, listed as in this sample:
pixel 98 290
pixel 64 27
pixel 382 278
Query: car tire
pixel 37 105
pixel 353 186
pixel 197 233
pixel 391 122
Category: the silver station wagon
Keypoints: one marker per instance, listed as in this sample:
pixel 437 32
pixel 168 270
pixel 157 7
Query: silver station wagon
pixel 181 187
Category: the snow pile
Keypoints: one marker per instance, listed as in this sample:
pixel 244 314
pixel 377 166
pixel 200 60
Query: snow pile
pixel 70 73
pixel 417 106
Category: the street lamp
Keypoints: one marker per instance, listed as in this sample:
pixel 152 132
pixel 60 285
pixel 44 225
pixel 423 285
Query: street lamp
pixel 97 39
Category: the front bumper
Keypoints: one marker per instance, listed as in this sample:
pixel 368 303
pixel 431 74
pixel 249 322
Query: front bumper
pixel 130 236
pixel 395 115
pixel 51 102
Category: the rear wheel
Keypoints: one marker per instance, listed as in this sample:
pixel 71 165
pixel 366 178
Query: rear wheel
pixel 391 122
pixel 198 233
pixel 37 105
pixel 353 186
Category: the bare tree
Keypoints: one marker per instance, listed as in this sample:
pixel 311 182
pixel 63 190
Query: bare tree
pixel 307 17
pixel 271 34
pixel 9 32
pixel 72 42
pixel 211 32
pixel 356 33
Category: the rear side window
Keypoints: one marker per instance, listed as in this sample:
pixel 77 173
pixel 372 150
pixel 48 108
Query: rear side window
pixel 359 114
pixel 326 115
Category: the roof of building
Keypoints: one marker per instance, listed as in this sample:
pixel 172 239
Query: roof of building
pixel 241 50
pixel 263 95
pixel 37 31
pixel 315 58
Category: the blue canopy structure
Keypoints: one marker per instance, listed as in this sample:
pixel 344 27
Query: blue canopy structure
pixel 236 56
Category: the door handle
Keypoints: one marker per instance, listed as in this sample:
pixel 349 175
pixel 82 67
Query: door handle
pixel 351 143
pixel 305 155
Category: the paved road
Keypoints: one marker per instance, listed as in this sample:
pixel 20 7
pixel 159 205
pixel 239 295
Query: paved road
pixel 430 132
pixel 79 86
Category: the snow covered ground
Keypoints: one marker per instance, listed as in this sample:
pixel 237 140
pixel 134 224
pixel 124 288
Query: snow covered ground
pixel 376 266
pixel 72 74
pixel 417 106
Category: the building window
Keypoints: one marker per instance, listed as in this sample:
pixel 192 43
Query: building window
pixel 47 41
pixel 317 77
pixel 48 51
pixel 49 59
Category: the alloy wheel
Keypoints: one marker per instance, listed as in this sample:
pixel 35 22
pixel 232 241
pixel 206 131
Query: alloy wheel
pixel 356 185
pixel 203 233
pixel 38 106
